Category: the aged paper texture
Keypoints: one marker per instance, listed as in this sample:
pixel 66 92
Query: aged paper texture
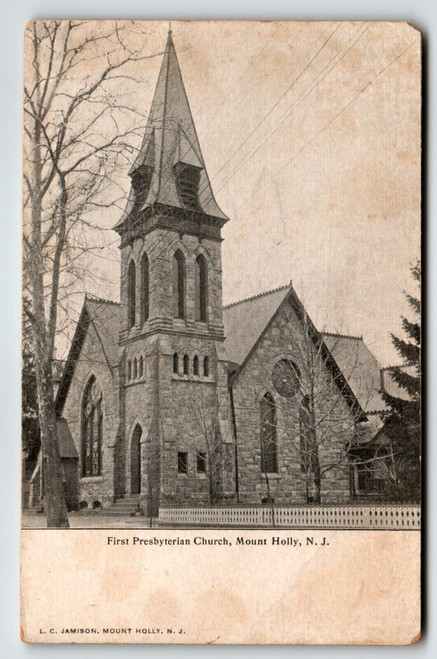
pixel 221 332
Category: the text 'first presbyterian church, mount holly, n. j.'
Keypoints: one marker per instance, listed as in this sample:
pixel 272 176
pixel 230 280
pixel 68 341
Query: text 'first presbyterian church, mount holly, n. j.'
pixel 169 398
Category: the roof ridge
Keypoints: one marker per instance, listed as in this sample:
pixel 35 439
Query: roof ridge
pixel 95 298
pixel 342 336
pixel 253 297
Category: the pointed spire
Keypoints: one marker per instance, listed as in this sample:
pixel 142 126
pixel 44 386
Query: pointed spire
pixel 170 141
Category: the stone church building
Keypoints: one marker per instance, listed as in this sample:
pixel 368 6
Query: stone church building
pixel 169 398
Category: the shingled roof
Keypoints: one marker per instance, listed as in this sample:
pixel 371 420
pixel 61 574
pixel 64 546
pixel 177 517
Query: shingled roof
pixel 105 315
pixel 361 369
pixel 171 139
pixel 244 321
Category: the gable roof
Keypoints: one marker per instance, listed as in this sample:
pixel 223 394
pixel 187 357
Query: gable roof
pixel 244 321
pixel 105 316
pixel 360 367
pixel 390 386
pixel 249 320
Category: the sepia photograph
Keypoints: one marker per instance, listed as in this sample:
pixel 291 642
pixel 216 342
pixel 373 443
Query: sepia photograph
pixel 221 319
pixel 230 340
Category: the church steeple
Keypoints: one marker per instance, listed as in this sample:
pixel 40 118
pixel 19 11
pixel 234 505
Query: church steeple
pixel 169 170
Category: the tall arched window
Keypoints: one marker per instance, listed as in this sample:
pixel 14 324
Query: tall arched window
pixel 201 288
pixel 144 288
pixel 92 421
pixel 178 285
pixel 131 295
pixel 206 366
pixel 175 363
pixel 186 365
pixel 269 448
pixel 141 367
pixel 308 446
pixel 196 365
pixel 135 372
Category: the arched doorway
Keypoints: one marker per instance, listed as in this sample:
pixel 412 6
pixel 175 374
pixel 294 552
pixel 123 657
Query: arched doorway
pixel 135 461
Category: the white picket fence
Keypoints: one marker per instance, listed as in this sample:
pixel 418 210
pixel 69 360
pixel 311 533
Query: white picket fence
pixel 302 517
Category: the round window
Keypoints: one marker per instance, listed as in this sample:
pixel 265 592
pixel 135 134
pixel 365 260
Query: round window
pixel 286 378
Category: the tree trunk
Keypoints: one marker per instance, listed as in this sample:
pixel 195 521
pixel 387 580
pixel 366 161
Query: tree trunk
pixel 54 494
pixel 270 499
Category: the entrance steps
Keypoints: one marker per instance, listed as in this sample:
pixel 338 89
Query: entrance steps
pixel 124 507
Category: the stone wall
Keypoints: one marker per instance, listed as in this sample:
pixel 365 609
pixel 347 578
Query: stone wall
pixel 284 339
pixel 92 362
pixel 177 412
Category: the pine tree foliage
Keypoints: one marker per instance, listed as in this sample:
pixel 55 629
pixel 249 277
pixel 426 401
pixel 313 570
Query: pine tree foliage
pixel 403 423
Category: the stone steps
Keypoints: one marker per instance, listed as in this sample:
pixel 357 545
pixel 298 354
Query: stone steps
pixel 123 507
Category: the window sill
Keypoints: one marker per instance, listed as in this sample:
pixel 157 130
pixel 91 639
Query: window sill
pixel 192 378
pixel 272 475
pixel 91 479
pixel 182 475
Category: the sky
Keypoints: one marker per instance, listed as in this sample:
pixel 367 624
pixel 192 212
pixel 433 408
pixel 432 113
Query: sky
pixel 310 133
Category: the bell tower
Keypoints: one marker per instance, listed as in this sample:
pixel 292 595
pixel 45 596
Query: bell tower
pixel 175 367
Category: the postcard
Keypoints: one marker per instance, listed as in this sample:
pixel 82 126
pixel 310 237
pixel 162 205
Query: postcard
pixel 221 372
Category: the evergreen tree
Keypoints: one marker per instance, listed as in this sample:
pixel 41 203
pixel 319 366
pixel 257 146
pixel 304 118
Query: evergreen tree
pixel 403 423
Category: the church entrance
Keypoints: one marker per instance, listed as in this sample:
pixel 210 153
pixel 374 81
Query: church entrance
pixel 135 461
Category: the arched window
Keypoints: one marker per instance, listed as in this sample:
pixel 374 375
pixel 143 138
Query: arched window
pixel 144 288
pixel 306 434
pixel 141 367
pixel 201 288
pixel 178 285
pixel 269 452
pixel 186 365
pixel 92 421
pixel 175 363
pixel 129 370
pixel 131 295
pixel 196 365
pixel 135 369
pixel 206 367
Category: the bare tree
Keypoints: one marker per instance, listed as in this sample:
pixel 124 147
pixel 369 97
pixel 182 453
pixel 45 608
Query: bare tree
pixel 210 416
pixel 318 411
pixel 77 126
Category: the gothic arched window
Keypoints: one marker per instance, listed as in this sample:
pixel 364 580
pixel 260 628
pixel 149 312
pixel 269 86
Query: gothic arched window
pixel 144 288
pixel 206 367
pixel 129 370
pixel 196 365
pixel 178 285
pixel 131 295
pixel 201 288
pixel 141 367
pixel 186 365
pixel 135 374
pixel 92 421
pixel 306 435
pixel 175 363
pixel 269 448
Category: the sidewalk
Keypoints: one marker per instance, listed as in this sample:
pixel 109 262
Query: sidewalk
pixel 90 520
